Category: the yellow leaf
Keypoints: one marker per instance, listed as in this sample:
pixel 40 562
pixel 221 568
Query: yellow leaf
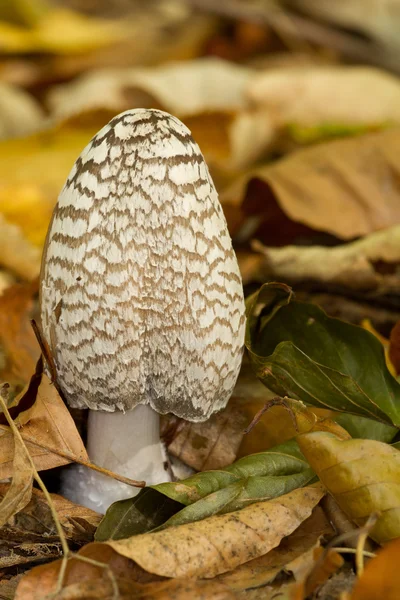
pixel 362 475
pixel 220 543
pixel 47 422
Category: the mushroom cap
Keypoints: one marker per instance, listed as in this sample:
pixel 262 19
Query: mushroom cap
pixel 141 295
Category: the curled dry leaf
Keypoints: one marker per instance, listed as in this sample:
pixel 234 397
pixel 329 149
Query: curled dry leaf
pixel 17 341
pixel 44 419
pixel 347 188
pixel 370 264
pixel 220 543
pixel 79 523
pixel 313 87
pixel 362 475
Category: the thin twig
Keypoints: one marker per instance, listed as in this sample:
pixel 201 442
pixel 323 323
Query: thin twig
pixel 343 550
pixel 276 401
pixel 82 461
pixel 361 543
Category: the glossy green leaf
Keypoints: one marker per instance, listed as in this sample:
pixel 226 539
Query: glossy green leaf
pixel 366 429
pixel 251 479
pixel 297 350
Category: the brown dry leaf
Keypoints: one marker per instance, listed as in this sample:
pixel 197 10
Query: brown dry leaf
pixel 20 114
pixel 347 188
pixel 293 555
pixel 8 587
pixel 17 341
pixel 381 577
pixel 19 493
pixel 48 422
pixel 207 94
pixel 362 475
pixel 313 88
pixel 220 543
pixel 79 523
pixel 213 444
pixel 83 580
pixel 371 263
pixel 16 252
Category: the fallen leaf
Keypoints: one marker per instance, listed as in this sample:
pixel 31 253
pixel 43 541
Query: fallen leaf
pixel 381 578
pixel 251 479
pixel 19 493
pixel 297 350
pixel 220 543
pixel 42 418
pixel 293 555
pixel 315 86
pixel 362 475
pixel 83 580
pixel 78 522
pixel 206 93
pixel 347 188
pixel 327 562
pixel 357 265
pixel 8 587
pixel 210 445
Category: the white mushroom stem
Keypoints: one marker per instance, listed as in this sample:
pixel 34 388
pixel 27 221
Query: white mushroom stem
pixel 125 443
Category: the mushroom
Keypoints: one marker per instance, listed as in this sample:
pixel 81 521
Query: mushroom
pixel 141 297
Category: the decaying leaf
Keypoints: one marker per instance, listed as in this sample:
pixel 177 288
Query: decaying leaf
pixel 357 265
pixel 347 188
pixel 210 445
pixel 220 543
pixel 293 555
pixel 79 523
pixel 119 577
pixel 362 475
pixel 314 87
pixel 251 479
pixel 19 493
pixel 296 349
pixel 17 340
pixel 43 418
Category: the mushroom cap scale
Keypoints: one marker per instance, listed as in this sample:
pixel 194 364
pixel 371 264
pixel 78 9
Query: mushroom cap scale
pixel 141 296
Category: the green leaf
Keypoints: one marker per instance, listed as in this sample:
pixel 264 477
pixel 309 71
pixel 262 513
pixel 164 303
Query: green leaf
pixel 297 350
pixel 366 429
pixel 251 479
pixel 145 511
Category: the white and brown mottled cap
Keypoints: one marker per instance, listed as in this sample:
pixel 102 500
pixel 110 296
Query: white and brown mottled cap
pixel 141 295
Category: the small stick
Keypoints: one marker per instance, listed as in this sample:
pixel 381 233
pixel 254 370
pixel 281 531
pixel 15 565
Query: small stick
pixel 276 401
pixel 44 346
pixel 82 461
